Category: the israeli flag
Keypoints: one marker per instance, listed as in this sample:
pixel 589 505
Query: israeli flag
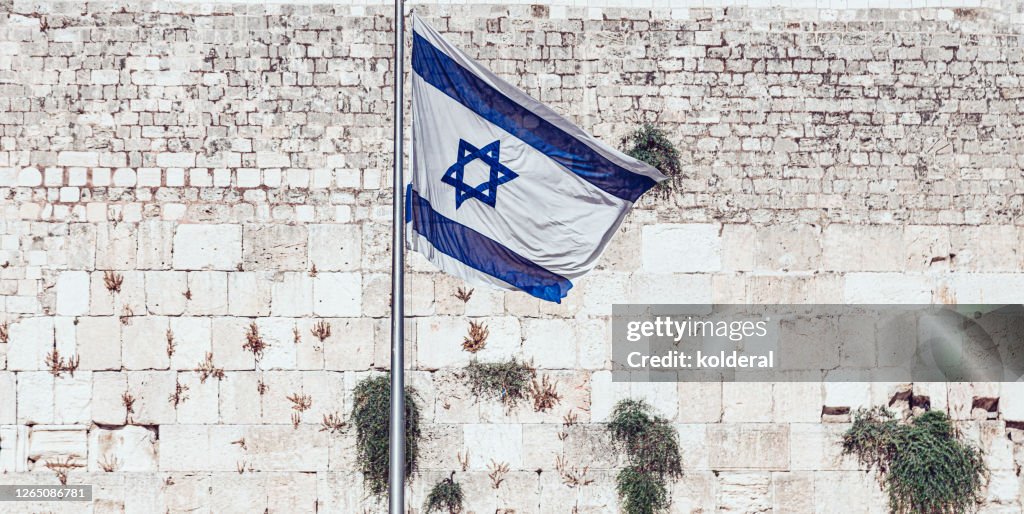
pixel 505 192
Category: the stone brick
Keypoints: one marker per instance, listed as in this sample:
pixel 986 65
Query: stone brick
pixel 73 293
pixel 274 247
pixel 681 248
pixel 292 294
pixel 131 448
pixel 334 247
pixel 209 291
pixel 337 294
pixel 144 343
pixel 217 247
pixel 165 292
pixel 749 446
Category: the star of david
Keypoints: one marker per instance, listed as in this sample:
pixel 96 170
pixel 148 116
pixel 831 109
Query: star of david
pixel 486 192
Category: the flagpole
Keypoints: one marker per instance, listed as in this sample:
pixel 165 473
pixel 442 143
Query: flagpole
pixel 396 442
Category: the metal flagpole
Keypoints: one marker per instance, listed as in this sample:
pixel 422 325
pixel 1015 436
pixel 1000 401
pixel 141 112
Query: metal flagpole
pixel 396 443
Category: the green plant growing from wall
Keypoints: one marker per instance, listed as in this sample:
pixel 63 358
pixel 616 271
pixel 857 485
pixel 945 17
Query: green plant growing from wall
pixel 446 497
pixel 370 418
pixel 923 465
pixel 650 144
pixel 508 381
pixel 651 446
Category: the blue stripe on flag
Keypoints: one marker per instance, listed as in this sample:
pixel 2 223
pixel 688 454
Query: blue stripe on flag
pixel 462 85
pixel 483 253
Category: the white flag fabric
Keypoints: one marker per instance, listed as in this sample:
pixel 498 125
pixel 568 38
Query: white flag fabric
pixel 505 192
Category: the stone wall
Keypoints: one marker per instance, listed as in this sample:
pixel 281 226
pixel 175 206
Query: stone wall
pixel 173 174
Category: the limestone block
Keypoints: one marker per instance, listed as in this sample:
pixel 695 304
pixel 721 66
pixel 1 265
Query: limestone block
pixel 98 343
pixel 341 499
pixel 283 448
pixel 185 492
pixel 292 294
pixel 550 344
pixel 209 291
pixel 52 442
pixel 744 492
pixel 73 293
pixel 334 247
pixel 604 394
pixel 116 246
pixel 455 401
pixel 229 335
pixel 747 402
pixel 541 443
pixel 350 346
pixel 797 402
pixel 986 248
pixel 681 248
pixel 192 340
pixel 291 492
pixel 216 247
pixel 419 295
pixel 985 287
pixel 863 248
pixel 35 397
pixel 819 447
pixel 145 343
pixel 274 404
pixel 239 400
pixel 279 334
pixel 155 245
pixel 854 395
pixel 72 398
pixel 700 402
pixel 107 401
pixel 81 246
pixel 439 446
pixel 594 343
pixel 200 401
pixel 128 449
pixel 130 301
pixel 881 288
pixel 601 290
pixel 1003 486
pixel 859 490
pixel 695 492
pixel 669 288
pixel 749 446
pixel 479 441
pixel 28 343
pixel 788 248
pixel 739 247
pixel 249 293
pixel 14 449
pixel 621 253
pixel 337 294
pixel 151 390
pixel 8 390
pixel 202 448
pixel 233 492
pixel 793 492
pixel 165 292
pixel 327 390
pixel 274 247
pixel 927 248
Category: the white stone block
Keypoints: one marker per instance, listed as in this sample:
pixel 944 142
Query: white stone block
pixel 176 160
pixel 8 392
pixel 239 401
pixel 881 288
pixel 209 290
pixel 28 343
pixel 549 344
pixel 351 345
pixel 35 397
pixel 73 293
pixel 144 343
pixel 132 448
pixel 73 399
pixel 279 334
pixel 681 248
pixel 56 443
pixel 1011 401
pixel 165 292
pixel 335 247
pixel 198 247
pixel 669 288
pixel 480 442
pixel 337 294
pixel 151 390
pixel 107 403
pixel 249 294
pixel 292 294
pixel 200 400
pixel 192 338
pixel 746 402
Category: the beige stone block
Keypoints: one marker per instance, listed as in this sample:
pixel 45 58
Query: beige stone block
pixel 144 343
pixel 746 402
pixel 621 253
pixel 128 449
pixel 209 291
pixel 986 248
pixel 229 335
pixel 52 442
pixel 819 447
pixel 192 340
pixel 455 402
pixel 797 402
pixel 249 293
pixel 205 448
pixel 292 294
pixel 284 448
pixel 695 492
pixel 334 247
pixel 749 446
pixel 274 247
pixel 479 441
pixel 292 492
pixel 928 248
pixel 327 391
pixel 81 246
pixel 72 395
pixel 350 346
pixel 860 493
pixel 200 246
pixel 788 248
pixel 863 248
pixel 152 391
pixel 337 294
pixel 28 343
pixel 9 391
pixel 116 246
pixel 238 493
pixel 700 402
pixel 155 244
pixel 165 292
pixel 98 343
pixel 107 403
pixel 439 447
pixel 239 400
pixel 599 291
pixel 35 397
pixel 274 405
pixel 279 335
pixel 744 492
pixel 683 248
pixel 200 401
pixel 793 492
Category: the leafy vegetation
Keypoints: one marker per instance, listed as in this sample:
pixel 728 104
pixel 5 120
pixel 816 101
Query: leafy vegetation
pixel 370 416
pixel 924 466
pixel 650 144
pixel 446 496
pixel 652 449
pixel 508 381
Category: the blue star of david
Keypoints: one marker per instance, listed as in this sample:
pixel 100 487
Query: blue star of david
pixel 486 192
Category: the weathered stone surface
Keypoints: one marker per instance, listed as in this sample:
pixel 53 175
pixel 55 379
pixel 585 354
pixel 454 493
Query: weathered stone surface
pixel 749 446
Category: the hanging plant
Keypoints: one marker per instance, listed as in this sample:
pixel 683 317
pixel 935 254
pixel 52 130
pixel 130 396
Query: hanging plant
pixel 445 497
pixel 923 465
pixel 370 410
pixel 507 381
pixel 650 144
pixel 652 450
